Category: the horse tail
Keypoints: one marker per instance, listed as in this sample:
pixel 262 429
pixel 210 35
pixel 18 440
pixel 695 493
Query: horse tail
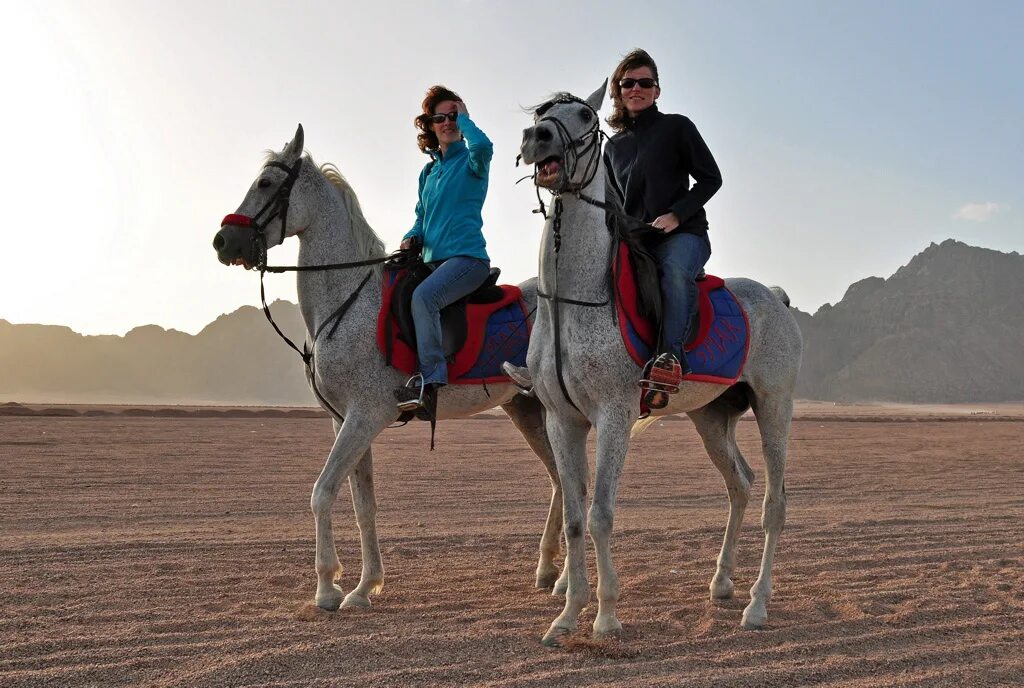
pixel 641 425
pixel 781 293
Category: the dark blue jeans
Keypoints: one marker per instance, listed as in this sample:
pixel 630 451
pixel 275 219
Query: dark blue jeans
pixel 681 257
pixel 450 281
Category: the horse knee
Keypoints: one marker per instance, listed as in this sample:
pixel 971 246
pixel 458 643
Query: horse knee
pixel 573 529
pixel 321 501
pixel 600 521
pixel 774 512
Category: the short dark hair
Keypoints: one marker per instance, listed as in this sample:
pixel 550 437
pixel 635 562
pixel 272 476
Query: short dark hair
pixel 620 119
pixel 427 139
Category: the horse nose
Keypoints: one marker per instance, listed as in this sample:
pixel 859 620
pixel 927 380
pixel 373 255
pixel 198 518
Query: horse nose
pixel 218 242
pixel 541 134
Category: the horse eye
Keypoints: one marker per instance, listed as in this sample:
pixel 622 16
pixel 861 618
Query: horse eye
pixel 263 183
pixel 585 115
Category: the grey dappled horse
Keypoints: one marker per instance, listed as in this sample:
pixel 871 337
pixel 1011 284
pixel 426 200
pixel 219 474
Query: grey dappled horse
pixel 601 379
pixel 293 197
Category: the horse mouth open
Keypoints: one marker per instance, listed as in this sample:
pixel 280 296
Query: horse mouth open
pixel 548 171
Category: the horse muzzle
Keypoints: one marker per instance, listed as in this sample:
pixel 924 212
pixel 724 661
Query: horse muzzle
pixel 235 246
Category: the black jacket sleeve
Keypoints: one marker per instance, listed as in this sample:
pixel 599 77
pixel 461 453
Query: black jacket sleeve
pixel 701 166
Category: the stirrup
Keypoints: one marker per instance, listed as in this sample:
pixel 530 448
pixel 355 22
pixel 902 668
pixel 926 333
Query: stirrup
pixel 412 402
pixel 520 376
pixel 662 374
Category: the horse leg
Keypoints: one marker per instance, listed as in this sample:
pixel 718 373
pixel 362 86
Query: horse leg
pixel 774 415
pixel 528 416
pixel 612 445
pixel 365 504
pixel 350 446
pixel 568 437
pixel 716 424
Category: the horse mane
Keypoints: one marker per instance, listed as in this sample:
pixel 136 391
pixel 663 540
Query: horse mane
pixel 368 243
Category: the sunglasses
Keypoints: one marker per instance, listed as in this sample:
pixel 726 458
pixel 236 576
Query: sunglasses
pixel 442 116
pixel 646 82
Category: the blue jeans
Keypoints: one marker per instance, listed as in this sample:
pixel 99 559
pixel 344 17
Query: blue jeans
pixel 680 259
pixel 450 281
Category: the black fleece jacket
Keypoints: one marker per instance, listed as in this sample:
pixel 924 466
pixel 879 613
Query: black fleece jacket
pixel 652 162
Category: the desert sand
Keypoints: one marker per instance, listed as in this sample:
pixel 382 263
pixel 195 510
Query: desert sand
pixel 175 548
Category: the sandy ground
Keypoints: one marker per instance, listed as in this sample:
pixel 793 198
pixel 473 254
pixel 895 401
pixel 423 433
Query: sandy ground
pixel 178 551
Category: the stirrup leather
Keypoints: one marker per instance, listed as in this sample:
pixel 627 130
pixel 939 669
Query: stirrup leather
pixel 662 374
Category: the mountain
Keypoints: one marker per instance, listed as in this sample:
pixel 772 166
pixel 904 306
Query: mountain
pixel 236 359
pixel 946 327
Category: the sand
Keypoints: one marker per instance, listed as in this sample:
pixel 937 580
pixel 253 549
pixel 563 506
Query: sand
pixel 177 550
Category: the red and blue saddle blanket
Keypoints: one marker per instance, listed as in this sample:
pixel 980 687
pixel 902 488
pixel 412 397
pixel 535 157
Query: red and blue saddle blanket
pixel 719 350
pixel 495 332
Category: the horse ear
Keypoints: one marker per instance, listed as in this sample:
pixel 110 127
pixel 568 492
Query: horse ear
pixel 294 148
pixel 597 97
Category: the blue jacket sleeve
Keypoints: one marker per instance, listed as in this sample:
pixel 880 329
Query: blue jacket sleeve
pixel 479 146
pixel 417 227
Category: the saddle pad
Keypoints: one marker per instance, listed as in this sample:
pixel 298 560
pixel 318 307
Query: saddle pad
pixel 718 352
pixel 496 332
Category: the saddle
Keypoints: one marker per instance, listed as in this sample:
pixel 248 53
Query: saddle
pixel 478 332
pixel 717 346
pixel 453 316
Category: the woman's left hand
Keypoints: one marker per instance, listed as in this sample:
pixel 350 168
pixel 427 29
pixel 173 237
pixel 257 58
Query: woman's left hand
pixel 461 108
pixel 666 222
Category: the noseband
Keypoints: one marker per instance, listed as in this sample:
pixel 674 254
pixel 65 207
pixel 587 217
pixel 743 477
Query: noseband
pixel 276 206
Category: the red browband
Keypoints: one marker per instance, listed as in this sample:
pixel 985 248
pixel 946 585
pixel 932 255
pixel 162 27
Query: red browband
pixel 233 219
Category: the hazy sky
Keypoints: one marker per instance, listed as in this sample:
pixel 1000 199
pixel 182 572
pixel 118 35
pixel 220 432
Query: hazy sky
pixel 850 135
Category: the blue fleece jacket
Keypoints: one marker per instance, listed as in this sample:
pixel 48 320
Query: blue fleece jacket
pixel 451 196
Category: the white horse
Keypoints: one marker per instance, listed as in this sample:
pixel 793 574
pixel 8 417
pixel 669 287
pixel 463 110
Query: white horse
pixel 600 379
pixel 293 197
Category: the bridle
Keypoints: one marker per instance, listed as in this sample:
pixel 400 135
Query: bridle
pixel 579 147
pixel 277 206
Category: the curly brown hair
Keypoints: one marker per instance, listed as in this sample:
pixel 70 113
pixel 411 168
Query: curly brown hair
pixel 620 120
pixel 427 139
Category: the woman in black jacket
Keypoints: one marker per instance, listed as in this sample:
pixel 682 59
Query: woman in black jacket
pixel 652 157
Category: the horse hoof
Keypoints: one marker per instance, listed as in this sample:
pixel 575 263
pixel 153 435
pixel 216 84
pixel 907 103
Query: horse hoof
pixel 721 590
pixel 356 601
pixel 546 581
pixel 330 600
pixel 555 636
pixel 613 632
pixel 754 620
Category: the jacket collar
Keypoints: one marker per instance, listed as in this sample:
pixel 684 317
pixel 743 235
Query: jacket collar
pixel 453 150
pixel 645 118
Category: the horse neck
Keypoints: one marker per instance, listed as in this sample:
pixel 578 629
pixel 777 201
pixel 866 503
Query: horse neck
pixel 583 256
pixel 327 240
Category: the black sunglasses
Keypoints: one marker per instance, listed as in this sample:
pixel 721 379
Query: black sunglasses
pixel 646 82
pixel 442 116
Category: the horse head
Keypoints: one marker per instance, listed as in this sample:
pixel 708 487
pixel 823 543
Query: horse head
pixel 270 211
pixel 565 140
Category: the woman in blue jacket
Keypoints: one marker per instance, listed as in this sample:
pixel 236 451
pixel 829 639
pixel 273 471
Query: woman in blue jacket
pixel 452 189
